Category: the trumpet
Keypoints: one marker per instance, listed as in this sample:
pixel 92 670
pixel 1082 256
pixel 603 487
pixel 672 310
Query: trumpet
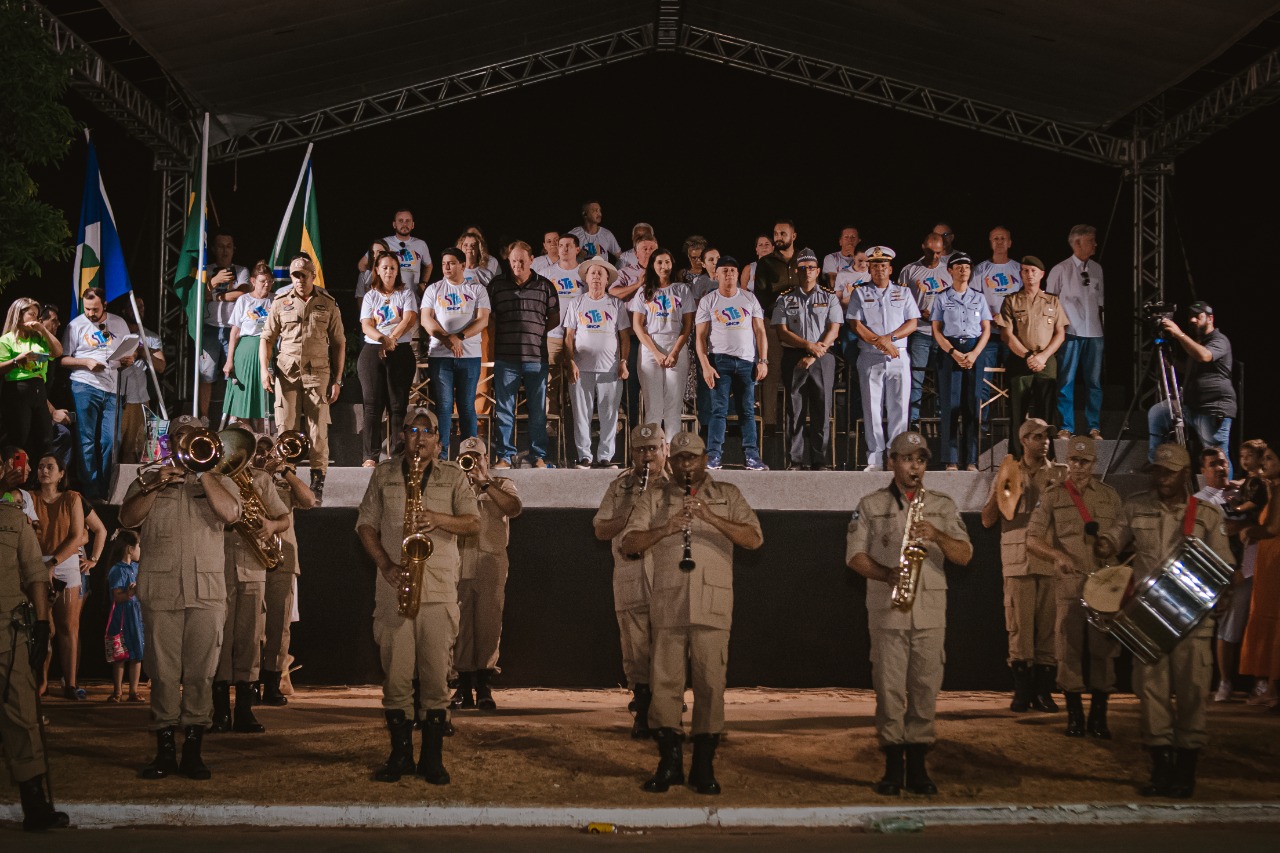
pixel 291 447
pixel 192 448
pixel 468 461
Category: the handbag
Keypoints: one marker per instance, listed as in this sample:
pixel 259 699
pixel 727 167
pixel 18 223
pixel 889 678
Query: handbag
pixel 114 643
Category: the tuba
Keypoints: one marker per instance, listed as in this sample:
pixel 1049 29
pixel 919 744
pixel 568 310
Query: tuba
pixel 192 448
pixel 240 445
pixel 416 547
pixel 912 556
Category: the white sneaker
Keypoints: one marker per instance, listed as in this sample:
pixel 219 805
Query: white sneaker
pixel 1224 691
pixel 870 469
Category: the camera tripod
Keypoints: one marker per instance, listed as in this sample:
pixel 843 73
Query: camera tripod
pixel 1166 386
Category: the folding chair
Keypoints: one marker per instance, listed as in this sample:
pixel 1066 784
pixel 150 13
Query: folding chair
pixel 998 404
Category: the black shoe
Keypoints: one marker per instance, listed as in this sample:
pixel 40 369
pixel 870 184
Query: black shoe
pixel 1075 714
pixel 891 784
pixel 317 485
pixel 643 698
pixel 484 695
pixel 245 722
pixel 271 694
pixel 431 760
pixel 400 761
pixel 1097 725
pixel 1163 765
pixel 1024 686
pixel 584 462
pixel 918 781
pixel 1184 774
pixel 702 777
pixel 192 765
pixel 462 696
pixel 670 762
pixel 221 708
pixel 166 761
pixel 1046 679
pixel 38 813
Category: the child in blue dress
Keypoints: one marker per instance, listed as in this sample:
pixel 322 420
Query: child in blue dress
pixel 126 611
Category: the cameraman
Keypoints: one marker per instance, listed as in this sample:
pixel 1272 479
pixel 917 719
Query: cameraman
pixel 1209 399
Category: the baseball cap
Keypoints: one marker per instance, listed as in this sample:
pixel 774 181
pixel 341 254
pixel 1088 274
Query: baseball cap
pixel 647 435
pixel 1173 457
pixel 727 261
pixel 687 442
pixel 472 445
pixel 1033 425
pixel 909 442
pixel 417 413
pixel 1199 307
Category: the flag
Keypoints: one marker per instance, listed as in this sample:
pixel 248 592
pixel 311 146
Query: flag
pixel 189 279
pixel 99 257
pixel 300 230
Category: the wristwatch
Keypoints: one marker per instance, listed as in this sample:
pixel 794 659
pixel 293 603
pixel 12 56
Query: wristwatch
pixel 893 339
pixel 484 487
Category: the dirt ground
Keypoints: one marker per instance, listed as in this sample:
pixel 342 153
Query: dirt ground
pixel 571 747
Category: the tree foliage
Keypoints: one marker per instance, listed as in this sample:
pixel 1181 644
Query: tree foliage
pixel 36 129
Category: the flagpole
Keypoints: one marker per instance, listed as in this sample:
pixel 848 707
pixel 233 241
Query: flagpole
pixel 200 274
pixel 146 354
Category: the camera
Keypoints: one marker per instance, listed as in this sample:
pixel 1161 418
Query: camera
pixel 1154 314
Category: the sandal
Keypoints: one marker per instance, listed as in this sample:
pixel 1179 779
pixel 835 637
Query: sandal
pixel 114 697
pixel 134 697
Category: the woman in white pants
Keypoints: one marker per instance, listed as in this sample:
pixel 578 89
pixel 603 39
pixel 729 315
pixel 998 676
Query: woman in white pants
pixel 662 319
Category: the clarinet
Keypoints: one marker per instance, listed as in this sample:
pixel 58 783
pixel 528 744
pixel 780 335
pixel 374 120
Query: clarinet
pixel 686 562
pixel 644 484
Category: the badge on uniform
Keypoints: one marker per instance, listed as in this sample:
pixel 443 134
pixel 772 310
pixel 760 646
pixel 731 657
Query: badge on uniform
pixel 856 515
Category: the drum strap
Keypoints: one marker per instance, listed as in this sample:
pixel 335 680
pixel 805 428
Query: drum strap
pixel 1079 502
pixel 1189 520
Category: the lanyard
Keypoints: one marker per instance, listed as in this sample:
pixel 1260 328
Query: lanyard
pixel 1090 526
pixel 1189 519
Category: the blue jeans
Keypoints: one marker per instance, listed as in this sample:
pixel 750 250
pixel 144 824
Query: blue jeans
pixel 958 405
pixel 922 349
pixel 737 376
pixel 1080 357
pixel 454 380
pixel 96 428
pixel 1209 430
pixel 507 377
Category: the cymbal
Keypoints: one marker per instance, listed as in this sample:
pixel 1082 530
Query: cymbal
pixel 1104 590
pixel 1009 487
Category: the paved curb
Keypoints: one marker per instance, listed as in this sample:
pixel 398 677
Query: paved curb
pixel 107 815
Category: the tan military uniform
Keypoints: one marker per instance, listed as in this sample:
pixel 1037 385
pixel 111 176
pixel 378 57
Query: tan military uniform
pixel 907 647
pixel 632 579
pixel 691 612
pixel 20 566
pixel 420 647
pixel 183 589
pixel 1030 602
pixel 280 590
pixel 1057 522
pixel 246 595
pixel 483 584
pixel 1154 529
pixel 1033 319
pixel 306 330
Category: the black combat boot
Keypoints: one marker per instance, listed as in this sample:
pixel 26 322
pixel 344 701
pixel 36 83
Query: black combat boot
pixel 1046 678
pixel 317 485
pixel 1075 714
pixel 400 761
pixel 245 722
pixel 431 760
pixel 271 694
pixel 702 776
pixel 221 708
pixel 918 781
pixel 38 813
pixel 643 697
pixel 1097 725
pixel 193 766
pixel 1184 773
pixel 166 761
pixel 670 761
pixel 1024 686
pixel 484 695
pixel 891 784
pixel 462 697
pixel 1163 764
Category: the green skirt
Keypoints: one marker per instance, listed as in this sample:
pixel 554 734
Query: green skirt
pixel 247 399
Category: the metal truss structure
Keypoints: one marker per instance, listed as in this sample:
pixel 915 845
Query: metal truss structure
pixel 175 191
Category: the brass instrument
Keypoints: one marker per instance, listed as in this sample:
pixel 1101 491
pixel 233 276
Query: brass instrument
pixel 192 448
pixel 240 445
pixel 644 484
pixel 290 448
pixel 687 563
pixel 1009 487
pixel 467 461
pixel 416 548
pixel 912 558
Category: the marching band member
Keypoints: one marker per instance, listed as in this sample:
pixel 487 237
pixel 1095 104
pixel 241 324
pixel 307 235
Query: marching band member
pixel 415 621
pixel 907 635
pixel 1152 524
pixel 182 586
pixel 482 586
pixel 691 523
pixel 633 573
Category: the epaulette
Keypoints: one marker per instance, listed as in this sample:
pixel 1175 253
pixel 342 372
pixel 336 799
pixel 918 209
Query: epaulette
pixel 826 289
pixel 782 293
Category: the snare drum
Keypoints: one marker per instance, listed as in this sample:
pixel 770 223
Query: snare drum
pixel 1163 609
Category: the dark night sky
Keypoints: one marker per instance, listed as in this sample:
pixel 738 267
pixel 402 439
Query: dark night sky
pixel 695 147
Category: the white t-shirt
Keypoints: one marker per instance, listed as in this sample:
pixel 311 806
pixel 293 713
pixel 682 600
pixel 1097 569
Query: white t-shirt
pixel 844 272
pixel 627 257
pixel 83 339
pixel 543 263
pixel 493 266
pixel 454 307
pixel 595 324
pixel 568 287
pixel 848 282
pixel 219 313
pixel 732 330
pixel 251 314
pixel 413 254
pixel 664 314
pixel 133 379
pixel 598 243
pixel 477 275
pixel 925 284
pixel 388 310
pixel 747 278
pixel 996 281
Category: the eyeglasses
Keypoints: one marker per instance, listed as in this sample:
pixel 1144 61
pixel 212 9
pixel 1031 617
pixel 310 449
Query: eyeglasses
pixel 808 266
pixel 420 430
pixel 1084 276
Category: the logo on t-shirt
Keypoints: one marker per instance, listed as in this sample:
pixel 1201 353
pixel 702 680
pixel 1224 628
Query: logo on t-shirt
pixel 729 316
pixel 566 287
pixel 932 285
pixel 594 320
pixel 661 305
pixel 453 301
pixel 1002 283
pixel 259 312
pixel 387 313
pixel 591 249
pixel 407 258
pixel 97 338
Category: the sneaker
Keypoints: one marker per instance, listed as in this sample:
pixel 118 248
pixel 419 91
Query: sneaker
pixel 503 464
pixel 871 469
pixel 971 468
pixel 713 461
pixel 540 463
pixel 1224 691
pixel 584 462
pixel 953 468
pixel 754 463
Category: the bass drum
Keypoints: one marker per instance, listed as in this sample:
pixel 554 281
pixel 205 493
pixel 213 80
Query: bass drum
pixel 1162 610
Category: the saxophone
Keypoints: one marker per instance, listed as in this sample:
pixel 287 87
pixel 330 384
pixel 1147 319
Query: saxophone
pixel 912 558
pixel 416 547
pixel 240 445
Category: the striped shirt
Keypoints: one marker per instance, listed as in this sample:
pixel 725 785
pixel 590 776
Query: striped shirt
pixel 522 317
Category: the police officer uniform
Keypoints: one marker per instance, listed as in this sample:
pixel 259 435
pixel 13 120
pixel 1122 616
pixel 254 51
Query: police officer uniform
pixel 306 330
pixel 1069 519
pixel 1034 319
pixel 632 577
pixel 885 382
pixel 815 316
pixel 961 315
pixel 23 573
pixel 241 655
pixel 907 653
pixel 1173 729
pixel 482 587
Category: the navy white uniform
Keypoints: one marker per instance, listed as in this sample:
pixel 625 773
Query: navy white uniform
pixel 886 382
pixel 809 389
